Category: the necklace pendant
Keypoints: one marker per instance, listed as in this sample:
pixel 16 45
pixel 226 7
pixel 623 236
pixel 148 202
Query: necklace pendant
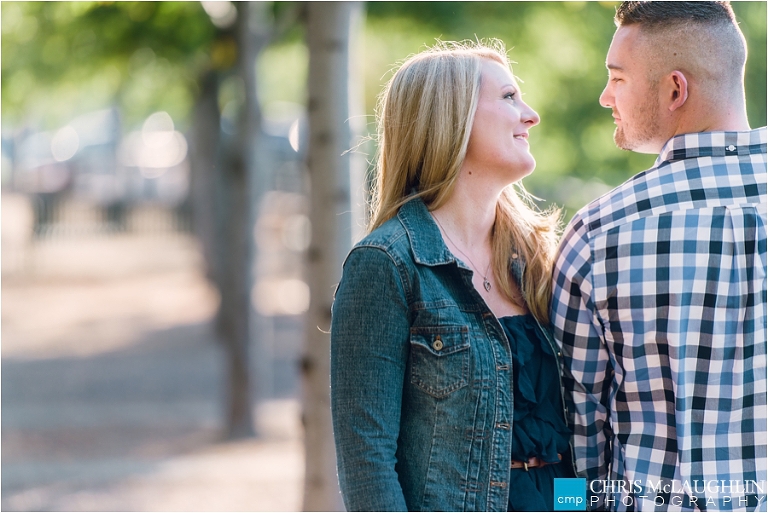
pixel 486 284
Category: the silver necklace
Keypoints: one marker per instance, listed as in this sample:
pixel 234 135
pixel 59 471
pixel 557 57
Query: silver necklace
pixel 486 282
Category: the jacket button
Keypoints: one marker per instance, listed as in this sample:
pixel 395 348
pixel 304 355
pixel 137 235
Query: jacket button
pixel 437 345
pixel 559 353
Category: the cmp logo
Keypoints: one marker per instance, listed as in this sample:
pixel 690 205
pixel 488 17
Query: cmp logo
pixel 570 494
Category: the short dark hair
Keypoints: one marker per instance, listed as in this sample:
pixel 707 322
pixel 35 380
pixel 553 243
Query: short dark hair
pixel 659 14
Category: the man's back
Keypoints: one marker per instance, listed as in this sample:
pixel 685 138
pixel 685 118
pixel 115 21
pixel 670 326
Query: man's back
pixel 659 302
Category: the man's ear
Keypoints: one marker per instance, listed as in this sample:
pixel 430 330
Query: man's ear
pixel 678 90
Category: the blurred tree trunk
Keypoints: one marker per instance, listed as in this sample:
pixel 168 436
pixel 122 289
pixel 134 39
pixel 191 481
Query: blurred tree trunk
pixel 330 26
pixel 251 32
pixel 206 120
pixel 224 181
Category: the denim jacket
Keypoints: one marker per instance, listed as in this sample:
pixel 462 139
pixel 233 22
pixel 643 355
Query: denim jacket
pixel 421 378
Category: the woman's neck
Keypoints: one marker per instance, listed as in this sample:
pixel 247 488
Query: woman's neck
pixel 468 216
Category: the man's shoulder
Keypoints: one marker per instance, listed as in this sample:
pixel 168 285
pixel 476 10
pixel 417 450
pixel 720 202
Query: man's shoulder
pixel 612 206
pixel 688 174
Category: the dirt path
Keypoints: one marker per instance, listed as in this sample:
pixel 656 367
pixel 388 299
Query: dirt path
pixel 111 387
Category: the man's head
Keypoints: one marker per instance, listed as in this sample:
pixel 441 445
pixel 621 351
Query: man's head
pixel 674 67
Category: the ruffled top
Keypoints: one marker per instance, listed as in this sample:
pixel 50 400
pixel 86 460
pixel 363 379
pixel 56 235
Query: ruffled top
pixel 538 427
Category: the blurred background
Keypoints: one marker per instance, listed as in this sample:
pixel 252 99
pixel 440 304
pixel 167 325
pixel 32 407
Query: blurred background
pixel 177 199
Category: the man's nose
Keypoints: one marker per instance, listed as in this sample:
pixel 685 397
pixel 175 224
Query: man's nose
pixel 606 97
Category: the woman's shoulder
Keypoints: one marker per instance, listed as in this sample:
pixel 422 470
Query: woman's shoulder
pixel 391 237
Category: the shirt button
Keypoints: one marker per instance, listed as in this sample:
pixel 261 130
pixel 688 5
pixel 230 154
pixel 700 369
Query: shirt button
pixel 731 147
pixel 559 353
pixel 515 255
pixel 437 345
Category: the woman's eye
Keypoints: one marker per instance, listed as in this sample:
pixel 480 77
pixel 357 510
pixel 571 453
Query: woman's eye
pixel 510 96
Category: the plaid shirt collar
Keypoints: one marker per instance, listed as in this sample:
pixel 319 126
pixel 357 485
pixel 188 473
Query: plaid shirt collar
pixel 712 144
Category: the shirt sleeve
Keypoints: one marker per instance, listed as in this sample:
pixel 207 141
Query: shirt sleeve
pixel 369 351
pixel 587 369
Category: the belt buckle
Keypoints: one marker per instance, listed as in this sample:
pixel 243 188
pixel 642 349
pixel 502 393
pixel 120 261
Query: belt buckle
pixel 525 466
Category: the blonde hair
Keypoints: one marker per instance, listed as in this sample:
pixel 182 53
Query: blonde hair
pixel 425 116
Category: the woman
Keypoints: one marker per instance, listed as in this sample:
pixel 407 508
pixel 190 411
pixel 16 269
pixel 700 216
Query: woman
pixel 443 387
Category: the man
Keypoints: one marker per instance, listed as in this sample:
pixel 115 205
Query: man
pixel 659 299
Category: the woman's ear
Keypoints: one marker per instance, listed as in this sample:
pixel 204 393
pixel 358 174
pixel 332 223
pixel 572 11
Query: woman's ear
pixel 678 90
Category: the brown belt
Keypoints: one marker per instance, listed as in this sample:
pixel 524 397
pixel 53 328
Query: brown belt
pixel 531 463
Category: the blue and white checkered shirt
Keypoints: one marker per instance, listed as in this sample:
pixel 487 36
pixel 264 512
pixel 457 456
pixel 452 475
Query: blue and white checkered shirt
pixel 659 306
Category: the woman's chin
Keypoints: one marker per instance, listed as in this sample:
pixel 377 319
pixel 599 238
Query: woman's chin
pixel 523 169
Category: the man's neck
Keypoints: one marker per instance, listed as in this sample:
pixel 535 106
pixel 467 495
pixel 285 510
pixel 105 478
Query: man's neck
pixel 729 118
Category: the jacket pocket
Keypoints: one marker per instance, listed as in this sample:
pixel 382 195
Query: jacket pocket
pixel 440 359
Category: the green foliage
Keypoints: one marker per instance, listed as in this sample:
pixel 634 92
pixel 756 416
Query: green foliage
pixel 282 73
pixel 752 20
pixel 62 58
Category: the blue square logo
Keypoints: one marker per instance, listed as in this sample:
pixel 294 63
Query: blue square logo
pixel 570 494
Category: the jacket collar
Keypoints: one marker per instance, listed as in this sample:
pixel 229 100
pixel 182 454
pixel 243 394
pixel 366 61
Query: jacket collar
pixel 426 240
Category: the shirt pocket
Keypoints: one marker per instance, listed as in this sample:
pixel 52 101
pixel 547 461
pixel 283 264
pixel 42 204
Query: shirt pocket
pixel 440 359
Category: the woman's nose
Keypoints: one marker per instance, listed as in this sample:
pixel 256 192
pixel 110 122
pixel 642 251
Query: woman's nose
pixel 530 116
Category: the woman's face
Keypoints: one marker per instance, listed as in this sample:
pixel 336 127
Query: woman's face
pixel 498 143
